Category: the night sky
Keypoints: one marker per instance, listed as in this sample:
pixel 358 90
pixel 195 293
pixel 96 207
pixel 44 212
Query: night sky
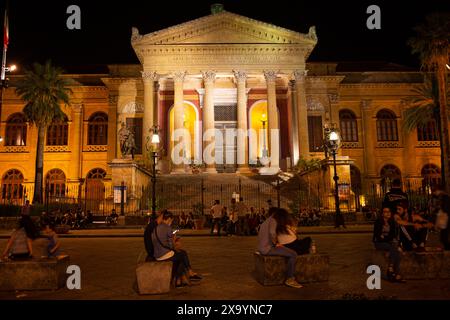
pixel 38 28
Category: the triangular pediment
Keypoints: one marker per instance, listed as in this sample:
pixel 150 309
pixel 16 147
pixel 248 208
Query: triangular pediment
pixel 225 28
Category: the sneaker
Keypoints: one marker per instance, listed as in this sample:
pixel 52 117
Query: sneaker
pixel 291 282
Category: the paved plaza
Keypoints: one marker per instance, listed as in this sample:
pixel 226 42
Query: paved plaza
pixel 108 271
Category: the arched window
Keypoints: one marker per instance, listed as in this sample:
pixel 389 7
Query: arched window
pixel 386 126
pixel 388 174
pixel 12 188
pixel 349 127
pixel 16 130
pixel 431 175
pixel 56 183
pixel 429 132
pixel 58 132
pixel 98 129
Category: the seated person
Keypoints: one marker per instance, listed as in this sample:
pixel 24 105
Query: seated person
pixel 53 243
pixel 413 228
pixel 287 233
pixel 165 248
pixel 268 245
pixel 384 239
pixel 20 244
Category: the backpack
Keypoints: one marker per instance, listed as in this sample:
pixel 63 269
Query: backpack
pixel 148 238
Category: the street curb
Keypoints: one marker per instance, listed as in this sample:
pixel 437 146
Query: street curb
pixel 136 235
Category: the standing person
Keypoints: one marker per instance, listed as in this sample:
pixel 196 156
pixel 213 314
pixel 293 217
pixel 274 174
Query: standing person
pixel 216 212
pixel 20 244
pixel 442 211
pixel 242 223
pixel 233 217
pixel 395 196
pixel 268 245
pixel 26 209
pixel 384 239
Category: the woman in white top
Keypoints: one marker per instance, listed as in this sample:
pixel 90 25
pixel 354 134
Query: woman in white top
pixel 287 233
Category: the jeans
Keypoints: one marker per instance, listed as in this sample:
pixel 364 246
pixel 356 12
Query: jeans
pixel 218 222
pixel 394 254
pixel 288 253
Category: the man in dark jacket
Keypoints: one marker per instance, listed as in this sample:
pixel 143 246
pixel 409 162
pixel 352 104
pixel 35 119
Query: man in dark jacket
pixel 395 196
pixel 153 222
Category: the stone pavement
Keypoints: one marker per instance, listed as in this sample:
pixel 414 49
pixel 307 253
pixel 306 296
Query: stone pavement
pixel 108 271
pixel 138 231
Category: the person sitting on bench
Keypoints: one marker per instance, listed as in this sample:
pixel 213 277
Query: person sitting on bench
pixel 165 249
pixel 287 233
pixel 413 228
pixel 20 244
pixel 384 239
pixel 268 245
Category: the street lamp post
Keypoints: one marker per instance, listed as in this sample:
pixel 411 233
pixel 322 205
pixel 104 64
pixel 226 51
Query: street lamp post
pixel 333 141
pixel 263 121
pixel 154 155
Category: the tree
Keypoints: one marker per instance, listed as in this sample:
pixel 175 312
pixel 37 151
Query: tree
pixel 43 90
pixel 431 43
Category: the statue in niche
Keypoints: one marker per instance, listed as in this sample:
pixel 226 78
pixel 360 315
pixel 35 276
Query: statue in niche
pixel 127 141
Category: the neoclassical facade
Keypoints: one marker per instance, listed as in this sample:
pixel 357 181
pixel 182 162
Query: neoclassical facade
pixel 224 72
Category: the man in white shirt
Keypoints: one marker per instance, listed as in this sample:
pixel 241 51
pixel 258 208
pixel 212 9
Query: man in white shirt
pixel 216 212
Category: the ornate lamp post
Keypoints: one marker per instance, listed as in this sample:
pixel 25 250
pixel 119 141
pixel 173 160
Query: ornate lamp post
pixel 332 143
pixel 263 121
pixel 154 149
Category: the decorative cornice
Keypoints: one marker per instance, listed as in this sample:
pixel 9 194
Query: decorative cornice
pixel 240 76
pixel 150 75
pixel 300 75
pixel 178 76
pixel 270 75
pixel 209 76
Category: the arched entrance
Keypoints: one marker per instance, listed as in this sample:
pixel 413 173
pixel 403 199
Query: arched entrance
pixel 55 181
pixel 191 124
pixel 388 174
pixel 94 189
pixel 258 138
pixel 431 175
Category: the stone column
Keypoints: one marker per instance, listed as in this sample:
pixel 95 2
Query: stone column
pixel 77 146
pixel 369 134
pixel 242 122
pixel 112 129
pixel 272 120
pixel 294 122
pixel 302 113
pixel 208 117
pixel 178 112
pixel 150 114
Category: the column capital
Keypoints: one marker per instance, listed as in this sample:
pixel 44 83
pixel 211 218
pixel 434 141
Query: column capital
pixel 113 99
pixel 270 75
pixel 334 97
pixel 299 75
pixel 240 75
pixel 77 107
pixel 209 76
pixel 149 75
pixel 366 104
pixel 178 76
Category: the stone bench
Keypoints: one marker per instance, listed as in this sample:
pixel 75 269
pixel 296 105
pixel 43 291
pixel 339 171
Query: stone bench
pixel 417 265
pixel 271 270
pixel 34 274
pixel 154 277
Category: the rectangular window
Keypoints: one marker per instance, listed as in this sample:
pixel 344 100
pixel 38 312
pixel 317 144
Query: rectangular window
pixel 315 133
pixel 135 124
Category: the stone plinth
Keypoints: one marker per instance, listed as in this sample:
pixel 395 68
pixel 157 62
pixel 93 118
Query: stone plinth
pixel 417 265
pixel 35 274
pixel 271 270
pixel 134 178
pixel 154 277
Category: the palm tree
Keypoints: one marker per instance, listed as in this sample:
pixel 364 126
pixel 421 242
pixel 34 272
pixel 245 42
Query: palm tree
pixel 424 108
pixel 432 45
pixel 43 90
